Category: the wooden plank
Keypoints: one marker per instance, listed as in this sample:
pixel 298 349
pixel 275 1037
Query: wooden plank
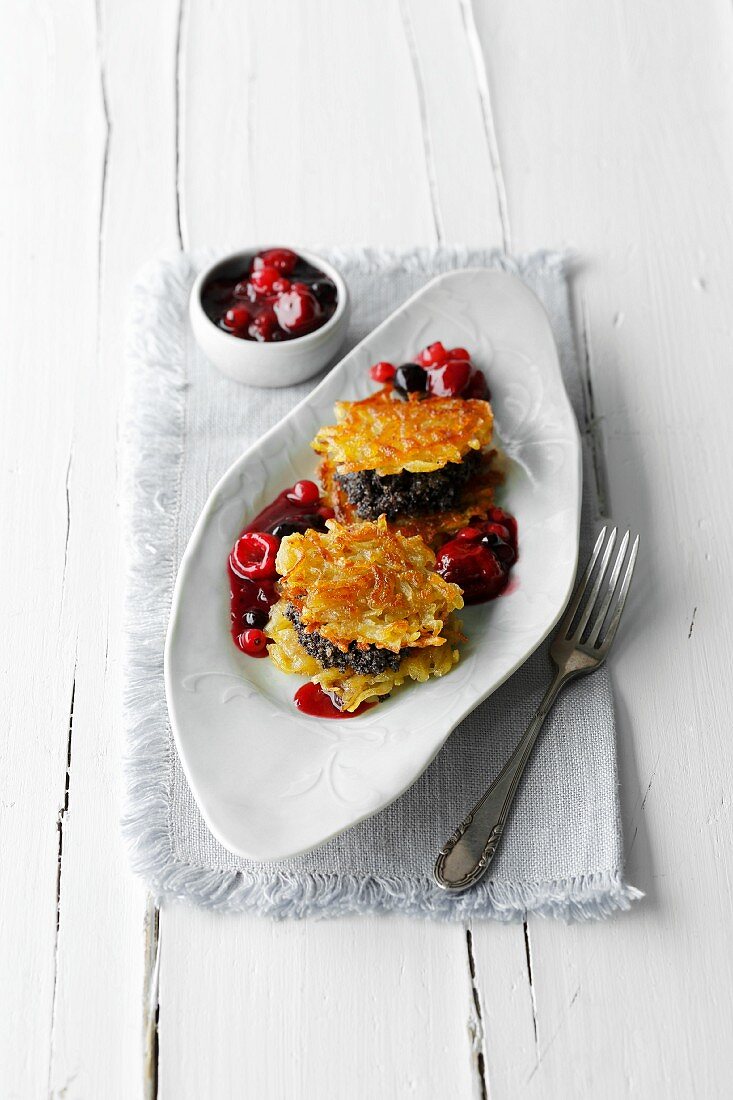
pixel 126 210
pixel 456 123
pixel 313 1008
pixel 370 148
pixel 613 129
pixel 48 224
pixel 301 123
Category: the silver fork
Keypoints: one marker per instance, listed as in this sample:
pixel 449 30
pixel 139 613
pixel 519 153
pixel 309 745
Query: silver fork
pixel 577 649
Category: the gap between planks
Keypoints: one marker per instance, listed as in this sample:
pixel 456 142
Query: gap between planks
pixel 177 101
pixel 64 809
pixel 592 427
pixel 478 60
pixel 151 1000
pixel 476 1025
pixel 152 929
pixel 427 141
pixel 533 998
pixel 60 820
pixel 104 99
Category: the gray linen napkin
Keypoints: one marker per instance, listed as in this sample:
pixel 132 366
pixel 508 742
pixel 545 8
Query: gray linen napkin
pixel 183 425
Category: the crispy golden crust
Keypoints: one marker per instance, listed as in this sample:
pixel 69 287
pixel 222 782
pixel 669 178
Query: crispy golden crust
pixel 352 688
pixel 366 583
pixel 389 436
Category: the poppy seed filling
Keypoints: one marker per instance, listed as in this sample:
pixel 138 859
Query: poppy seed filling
pixel 408 494
pixel 368 662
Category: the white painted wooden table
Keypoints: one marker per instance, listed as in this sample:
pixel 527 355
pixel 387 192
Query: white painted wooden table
pixel 131 127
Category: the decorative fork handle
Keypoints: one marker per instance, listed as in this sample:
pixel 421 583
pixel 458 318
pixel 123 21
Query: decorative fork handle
pixel 469 851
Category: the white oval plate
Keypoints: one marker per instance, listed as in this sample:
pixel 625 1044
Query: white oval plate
pixel 272 783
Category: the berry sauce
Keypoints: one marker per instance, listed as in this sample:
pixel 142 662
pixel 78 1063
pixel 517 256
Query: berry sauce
pixel 312 699
pixel 280 296
pixel 481 556
pixel 297 508
pixel 251 566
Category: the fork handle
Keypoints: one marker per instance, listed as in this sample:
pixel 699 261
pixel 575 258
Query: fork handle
pixel 470 850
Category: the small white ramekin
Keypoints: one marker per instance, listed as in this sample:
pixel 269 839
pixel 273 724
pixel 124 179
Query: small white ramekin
pixel 263 364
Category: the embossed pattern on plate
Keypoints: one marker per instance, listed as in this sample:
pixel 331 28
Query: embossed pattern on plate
pixel 272 783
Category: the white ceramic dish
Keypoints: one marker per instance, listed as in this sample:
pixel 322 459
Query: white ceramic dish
pixel 272 783
pixel 261 364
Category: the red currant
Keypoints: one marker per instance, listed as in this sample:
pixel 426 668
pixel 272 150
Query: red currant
pixel 382 372
pixel 499 530
pixel 458 353
pixel 237 318
pixel 433 355
pixel 304 492
pixel 298 311
pixel 263 280
pixel 253 642
pixel 470 534
pixel 281 258
pixel 498 515
pixel 265 327
pixel 253 556
pixel 450 379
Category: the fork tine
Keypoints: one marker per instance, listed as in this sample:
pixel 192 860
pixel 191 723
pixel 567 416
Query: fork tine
pixel 591 601
pixel 616 617
pixel 610 589
pixel 564 627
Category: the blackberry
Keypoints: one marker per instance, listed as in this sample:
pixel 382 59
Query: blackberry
pixel 409 378
pixel 254 618
pixel 324 290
